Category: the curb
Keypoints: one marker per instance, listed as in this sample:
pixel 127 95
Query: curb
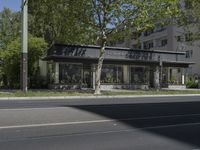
pixel 93 97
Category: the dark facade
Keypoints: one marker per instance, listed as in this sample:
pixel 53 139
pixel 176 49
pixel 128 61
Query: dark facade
pixel 73 66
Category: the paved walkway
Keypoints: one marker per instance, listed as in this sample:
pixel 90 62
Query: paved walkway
pixel 91 97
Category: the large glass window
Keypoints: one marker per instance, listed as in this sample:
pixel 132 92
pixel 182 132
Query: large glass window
pixel 139 75
pixel 112 74
pixel 175 76
pixel 70 73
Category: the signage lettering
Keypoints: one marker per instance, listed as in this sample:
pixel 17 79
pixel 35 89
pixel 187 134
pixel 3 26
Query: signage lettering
pixel 137 55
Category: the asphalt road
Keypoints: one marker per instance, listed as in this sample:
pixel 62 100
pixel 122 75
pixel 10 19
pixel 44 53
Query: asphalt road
pixel 154 123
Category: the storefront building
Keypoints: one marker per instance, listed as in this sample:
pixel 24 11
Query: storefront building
pixel 73 66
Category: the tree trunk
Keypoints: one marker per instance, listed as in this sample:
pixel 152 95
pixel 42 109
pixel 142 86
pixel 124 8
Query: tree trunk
pixel 99 66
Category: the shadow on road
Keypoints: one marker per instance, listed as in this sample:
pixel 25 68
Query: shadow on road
pixel 188 112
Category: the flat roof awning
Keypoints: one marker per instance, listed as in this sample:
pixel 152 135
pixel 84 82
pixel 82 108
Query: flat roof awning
pixel 90 54
pixel 177 64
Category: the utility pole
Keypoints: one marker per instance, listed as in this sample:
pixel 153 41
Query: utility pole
pixel 24 46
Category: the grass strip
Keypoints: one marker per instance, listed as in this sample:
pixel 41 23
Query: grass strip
pixel 90 93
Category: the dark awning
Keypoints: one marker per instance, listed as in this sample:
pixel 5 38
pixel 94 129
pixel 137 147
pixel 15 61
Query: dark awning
pixel 113 55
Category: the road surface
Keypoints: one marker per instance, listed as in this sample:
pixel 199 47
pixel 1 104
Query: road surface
pixel 154 123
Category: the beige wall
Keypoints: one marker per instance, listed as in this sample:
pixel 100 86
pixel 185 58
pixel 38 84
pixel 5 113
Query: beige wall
pixel 43 68
pixel 126 74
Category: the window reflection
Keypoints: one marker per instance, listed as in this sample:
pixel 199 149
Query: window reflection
pixel 112 74
pixel 139 74
pixel 70 73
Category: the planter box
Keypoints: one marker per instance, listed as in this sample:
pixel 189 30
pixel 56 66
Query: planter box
pixel 124 86
pixel 64 86
pixel 103 86
pixel 177 87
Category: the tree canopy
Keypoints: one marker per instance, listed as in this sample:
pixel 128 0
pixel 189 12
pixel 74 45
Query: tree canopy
pixel 78 22
pixel 9 27
pixel 189 19
pixel 10 57
pixel 57 21
pixel 108 17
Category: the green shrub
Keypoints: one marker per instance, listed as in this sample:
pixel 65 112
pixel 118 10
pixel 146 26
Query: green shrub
pixel 192 83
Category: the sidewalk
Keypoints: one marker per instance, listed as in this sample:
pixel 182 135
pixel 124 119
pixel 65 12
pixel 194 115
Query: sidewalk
pixel 190 89
pixel 93 97
pixel 117 93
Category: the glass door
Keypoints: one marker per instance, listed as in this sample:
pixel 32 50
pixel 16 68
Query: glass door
pixel 87 77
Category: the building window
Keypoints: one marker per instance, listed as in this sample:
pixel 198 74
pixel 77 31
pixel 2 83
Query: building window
pixel 179 38
pixel 164 42
pixel 188 4
pixel 189 54
pixel 70 73
pixel 112 74
pixel 188 37
pixel 139 75
pixel 145 45
pixel 149 32
pixel 148 45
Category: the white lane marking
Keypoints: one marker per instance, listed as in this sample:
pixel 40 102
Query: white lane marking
pixel 135 129
pixel 55 124
pixel 125 130
pixel 92 121
pixel 111 131
pixel 49 108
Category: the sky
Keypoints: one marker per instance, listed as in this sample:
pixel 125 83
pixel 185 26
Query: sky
pixel 14 5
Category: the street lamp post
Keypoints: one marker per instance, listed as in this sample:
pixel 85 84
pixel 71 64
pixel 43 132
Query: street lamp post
pixel 24 51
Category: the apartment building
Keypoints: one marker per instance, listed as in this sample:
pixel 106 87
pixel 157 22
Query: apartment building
pixel 170 38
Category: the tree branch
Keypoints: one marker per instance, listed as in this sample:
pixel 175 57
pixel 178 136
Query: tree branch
pixel 98 13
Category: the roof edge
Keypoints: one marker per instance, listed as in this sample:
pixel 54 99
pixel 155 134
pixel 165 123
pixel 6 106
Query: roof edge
pixel 120 48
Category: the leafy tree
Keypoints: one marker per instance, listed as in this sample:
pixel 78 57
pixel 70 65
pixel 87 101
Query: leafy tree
pixel 189 19
pixel 56 22
pixel 87 22
pixel 196 18
pixel 11 61
pixel 10 65
pixel 9 27
pixel 109 17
